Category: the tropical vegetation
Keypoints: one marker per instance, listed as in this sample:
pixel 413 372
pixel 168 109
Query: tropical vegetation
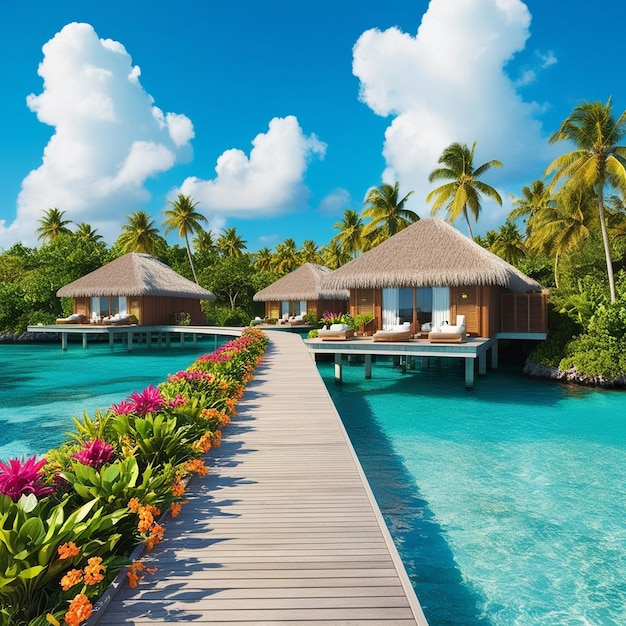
pixel 566 229
pixel 70 522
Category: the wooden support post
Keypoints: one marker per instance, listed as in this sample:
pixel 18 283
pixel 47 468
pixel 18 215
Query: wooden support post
pixel 148 339
pixel 64 341
pixel 130 340
pixel 482 363
pixel 494 355
pixel 338 367
pixel 111 339
pixel 84 341
pixel 182 340
pixel 168 339
pixel 368 366
pixel 195 340
pixel 469 373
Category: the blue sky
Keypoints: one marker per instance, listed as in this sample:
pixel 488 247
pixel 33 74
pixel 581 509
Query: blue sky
pixel 278 115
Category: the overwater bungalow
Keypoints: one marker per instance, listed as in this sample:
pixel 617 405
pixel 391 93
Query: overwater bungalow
pixel 430 273
pixel 301 292
pixel 136 287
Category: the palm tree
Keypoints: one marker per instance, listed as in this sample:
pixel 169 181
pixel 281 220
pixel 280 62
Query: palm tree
pixel 263 260
pixel 186 220
pixel 230 243
pixel 562 227
pixel 465 189
pixel 87 233
pixel 52 225
pixel 309 252
pixel 387 213
pixel 286 257
pixel 533 200
pixel 204 242
pixel 140 234
pixel 508 243
pixel 596 162
pixel 350 236
pixel 334 255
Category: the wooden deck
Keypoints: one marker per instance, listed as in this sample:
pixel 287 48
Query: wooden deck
pixel 284 529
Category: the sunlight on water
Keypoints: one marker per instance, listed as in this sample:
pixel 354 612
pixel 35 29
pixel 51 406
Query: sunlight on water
pixel 506 502
pixel 43 387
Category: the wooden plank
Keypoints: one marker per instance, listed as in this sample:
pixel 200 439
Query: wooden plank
pixel 284 528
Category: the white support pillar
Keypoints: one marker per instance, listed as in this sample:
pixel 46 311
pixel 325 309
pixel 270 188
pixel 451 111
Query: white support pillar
pixel 168 339
pixel 368 366
pixel 148 339
pixel 84 341
pixel 64 341
pixel 182 340
pixel 338 366
pixel 469 373
pixel 111 339
pixel 130 340
pixel 195 340
pixel 494 355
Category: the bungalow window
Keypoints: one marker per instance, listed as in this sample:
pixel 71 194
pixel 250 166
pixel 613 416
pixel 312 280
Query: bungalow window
pixel 103 306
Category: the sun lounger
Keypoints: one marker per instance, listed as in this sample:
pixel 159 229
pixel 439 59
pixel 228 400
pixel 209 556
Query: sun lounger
pixel 336 332
pixel 119 319
pixel 447 333
pixel 400 332
pixel 75 318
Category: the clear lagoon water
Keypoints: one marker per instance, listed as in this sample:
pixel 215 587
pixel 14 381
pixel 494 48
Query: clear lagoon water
pixel 42 387
pixel 507 502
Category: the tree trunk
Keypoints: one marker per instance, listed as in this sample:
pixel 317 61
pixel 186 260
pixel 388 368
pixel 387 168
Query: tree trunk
pixel 607 245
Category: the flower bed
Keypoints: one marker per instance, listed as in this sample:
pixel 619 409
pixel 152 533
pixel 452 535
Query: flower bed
pixel 69 522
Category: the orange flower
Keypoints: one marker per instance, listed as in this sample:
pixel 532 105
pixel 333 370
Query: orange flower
pixel 68 550
pixel 230 405
pixel 133 505
pixel 155 537
pixel 80 610
pixel 178 489
pixel 224 420
pixel 94 572
pixel 203 444
pixel 136 572
pixel 223 385
pixel 73 577
pixel 175 509
pixel 210 413
pixel 197 466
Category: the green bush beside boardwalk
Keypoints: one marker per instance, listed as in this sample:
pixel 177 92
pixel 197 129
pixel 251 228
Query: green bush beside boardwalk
pixel 69 522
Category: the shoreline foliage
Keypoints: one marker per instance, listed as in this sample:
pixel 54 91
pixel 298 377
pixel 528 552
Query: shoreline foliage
pixel 70 521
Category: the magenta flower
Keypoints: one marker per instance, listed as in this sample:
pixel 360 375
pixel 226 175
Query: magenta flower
pixel 123 408
pixel 148 401
pixel 95 453
pixel 18 478
pixel 178 400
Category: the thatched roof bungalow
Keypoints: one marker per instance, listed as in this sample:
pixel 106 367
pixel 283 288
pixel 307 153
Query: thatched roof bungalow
pixel 139 285
pixel 300 292
pixel 430 272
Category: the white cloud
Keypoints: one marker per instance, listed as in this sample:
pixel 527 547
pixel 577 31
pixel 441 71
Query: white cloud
pixel 447 84
pixel 109 137
pixel 336 202
pixel 267 182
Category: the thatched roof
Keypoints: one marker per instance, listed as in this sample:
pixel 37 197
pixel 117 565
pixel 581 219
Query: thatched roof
pixel 429 253
pixel 305 283
pixel 134 274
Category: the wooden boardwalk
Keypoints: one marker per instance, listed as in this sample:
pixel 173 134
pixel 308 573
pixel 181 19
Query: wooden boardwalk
pixel 284 529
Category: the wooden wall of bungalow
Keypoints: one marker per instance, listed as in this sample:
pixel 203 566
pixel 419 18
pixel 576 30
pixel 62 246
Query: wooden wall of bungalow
pixel 318 307
pixel 154 310
pixel 488 309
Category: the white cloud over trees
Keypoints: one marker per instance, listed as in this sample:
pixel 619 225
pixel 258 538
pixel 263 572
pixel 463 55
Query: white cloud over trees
pixel 109 137
pixel 448 84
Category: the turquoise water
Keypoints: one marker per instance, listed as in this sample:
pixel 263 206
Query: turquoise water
pixel 42 387
pixel 507 502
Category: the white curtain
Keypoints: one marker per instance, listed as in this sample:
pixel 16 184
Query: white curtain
pixel 441 305
pixel 391 307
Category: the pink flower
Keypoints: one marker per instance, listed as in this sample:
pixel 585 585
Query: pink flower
pixel 18 478
pixel 95 453
pixel 123 408
pixel 148 401
pixel 178 400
